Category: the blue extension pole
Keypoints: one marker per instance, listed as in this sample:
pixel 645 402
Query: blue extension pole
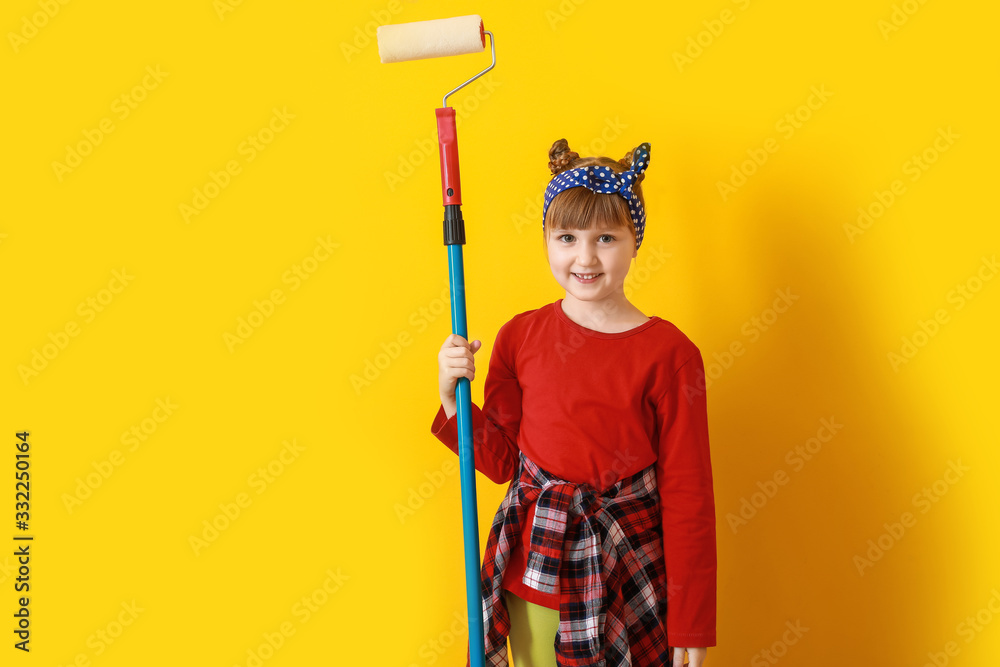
pixel 467 468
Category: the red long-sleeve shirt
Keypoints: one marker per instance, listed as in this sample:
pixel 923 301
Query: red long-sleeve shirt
pixel 595 407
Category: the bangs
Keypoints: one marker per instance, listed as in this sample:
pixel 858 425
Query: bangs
pixel 579 208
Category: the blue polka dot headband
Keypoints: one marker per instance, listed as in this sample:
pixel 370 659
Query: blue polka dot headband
pixel 604 180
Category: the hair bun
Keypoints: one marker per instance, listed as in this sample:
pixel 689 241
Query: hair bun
pixel 560 156
pixel 627 163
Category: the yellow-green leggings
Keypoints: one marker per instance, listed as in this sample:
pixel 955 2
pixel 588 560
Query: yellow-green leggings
pixel 532 632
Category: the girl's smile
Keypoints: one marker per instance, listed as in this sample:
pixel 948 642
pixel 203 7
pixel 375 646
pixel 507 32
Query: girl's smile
pixel 591 265
pixel 588 256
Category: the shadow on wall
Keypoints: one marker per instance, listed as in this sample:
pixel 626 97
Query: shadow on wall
pixel 812 450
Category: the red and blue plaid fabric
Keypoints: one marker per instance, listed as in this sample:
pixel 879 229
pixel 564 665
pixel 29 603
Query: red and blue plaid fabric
pixel 601 551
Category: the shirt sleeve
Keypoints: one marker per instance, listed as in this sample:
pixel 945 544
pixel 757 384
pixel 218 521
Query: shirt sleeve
pixel 684 480
pixel 496 425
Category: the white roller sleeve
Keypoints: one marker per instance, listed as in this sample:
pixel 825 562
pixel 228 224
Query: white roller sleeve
pixel 430 39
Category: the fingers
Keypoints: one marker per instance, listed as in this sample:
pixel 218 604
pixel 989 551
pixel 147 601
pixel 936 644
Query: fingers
pixel 459 366
pixel 696 657
pixel 454 340
pixel 456 347
pixel 456 359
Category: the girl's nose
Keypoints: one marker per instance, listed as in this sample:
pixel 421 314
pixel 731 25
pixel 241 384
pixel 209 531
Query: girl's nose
pixel 586 255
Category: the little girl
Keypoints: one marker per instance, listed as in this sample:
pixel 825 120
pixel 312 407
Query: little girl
pixel 603 550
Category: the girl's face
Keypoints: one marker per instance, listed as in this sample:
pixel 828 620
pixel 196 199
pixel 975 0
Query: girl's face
pixel 591 264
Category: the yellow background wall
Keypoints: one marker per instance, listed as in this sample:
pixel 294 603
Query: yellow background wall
pixel 226 298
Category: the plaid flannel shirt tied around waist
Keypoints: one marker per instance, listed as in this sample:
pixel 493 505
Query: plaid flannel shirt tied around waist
pixel 601 551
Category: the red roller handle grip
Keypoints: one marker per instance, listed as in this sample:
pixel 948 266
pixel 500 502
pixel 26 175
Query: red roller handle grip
pixel 451 188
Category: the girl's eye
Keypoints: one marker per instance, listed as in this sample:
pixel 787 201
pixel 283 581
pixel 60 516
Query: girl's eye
pixel 568 238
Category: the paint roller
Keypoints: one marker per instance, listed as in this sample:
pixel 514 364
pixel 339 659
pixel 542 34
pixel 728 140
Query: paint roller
pixel 435 39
